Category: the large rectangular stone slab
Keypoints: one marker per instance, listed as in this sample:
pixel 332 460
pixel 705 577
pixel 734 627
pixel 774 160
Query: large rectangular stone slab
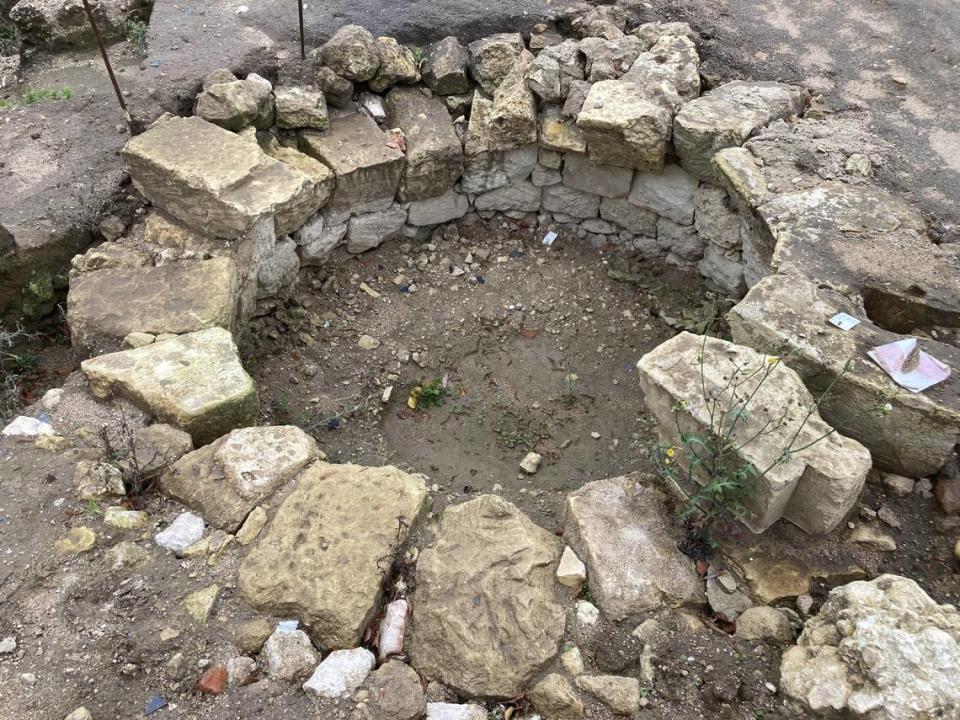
pixel 324 556
pixel 788 315
pixel 194 381
pixel 624 126
pixel 368 167
pixel 726 116
pixel 689 383
pixel 434 153
pixel 862 239
pixel 104 306
pixel 217 182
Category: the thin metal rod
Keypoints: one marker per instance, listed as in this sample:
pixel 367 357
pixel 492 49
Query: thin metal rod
pixel 106 61
pixel 303 49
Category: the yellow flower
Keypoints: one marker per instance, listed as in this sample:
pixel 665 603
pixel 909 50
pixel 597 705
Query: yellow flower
pixel 671 452
pixel 773 360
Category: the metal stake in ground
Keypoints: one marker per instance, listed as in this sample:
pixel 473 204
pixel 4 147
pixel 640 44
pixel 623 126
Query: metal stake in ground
pixel 303 50
pixel 106 62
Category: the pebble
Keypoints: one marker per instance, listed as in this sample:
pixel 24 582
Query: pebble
pixel 453 711
pixel 571 572
pixel 81 713
pixel 804 604
pixel 77 540
pixel 200 604
pixel 531 463
pixel 8 645
pixel 213 681
pixel 29 678
pixel 183 532
pixel 898 485
pixel 367 342
pixel 240 669
pixel 587 613
pixel 889 517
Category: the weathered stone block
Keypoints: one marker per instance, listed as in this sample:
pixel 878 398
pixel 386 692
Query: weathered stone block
pixel 609 59
pixel 215 181
pixel 625 536
pixel 670 194
pixel 352 53
pixel 863 240
pixel 193 381
pixel 522 195
pixel 301 108
pixel 225 480
pixel 326 568
pixel 814 487
pixel 492 58
pixel 485 166
pixel 788 315
pixel 566 200
pixel 486 618
pixel 513 115
pixel 437 210
pixel 104 306
pixel 554 69
pixel 434 153
pixel 559 133
pixel 724 268
pixel 716 220
pixel 580 173
pixel 628 216
pixel 726 116
pixel 397 65
pixel 370 230
pixel 236 104
pixel 445 67
pixel 673 61
pixel 624 127
pixel 368 169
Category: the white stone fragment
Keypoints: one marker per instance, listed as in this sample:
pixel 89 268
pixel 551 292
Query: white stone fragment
pixel 571 572
pixel 24 426
pixel 531 463
pixel 453 711
pixel 392 627
pixel 183 532
pixel 341 672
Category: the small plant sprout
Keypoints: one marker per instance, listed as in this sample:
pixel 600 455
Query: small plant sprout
pixel 137 35
pixel 428 394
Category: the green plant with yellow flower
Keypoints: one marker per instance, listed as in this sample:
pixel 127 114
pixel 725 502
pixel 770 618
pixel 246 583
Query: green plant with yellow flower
pixel 711 463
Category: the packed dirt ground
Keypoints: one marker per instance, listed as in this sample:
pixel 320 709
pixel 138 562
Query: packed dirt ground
pixel 535 349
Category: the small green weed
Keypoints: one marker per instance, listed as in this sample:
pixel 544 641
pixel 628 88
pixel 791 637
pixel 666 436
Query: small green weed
pixel 429 394
pixel 32 96
pixel 137 35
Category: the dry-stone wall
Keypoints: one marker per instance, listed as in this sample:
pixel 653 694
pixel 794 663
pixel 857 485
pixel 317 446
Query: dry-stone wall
pixel 604 137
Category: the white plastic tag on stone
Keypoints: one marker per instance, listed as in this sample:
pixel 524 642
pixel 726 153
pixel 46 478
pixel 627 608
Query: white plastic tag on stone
pixel 549 238
pixel 844 321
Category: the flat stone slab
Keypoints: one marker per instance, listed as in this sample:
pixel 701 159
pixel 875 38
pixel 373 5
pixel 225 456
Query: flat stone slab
pixel 193 381
pixel 868 241
pixel 434 153
pixel 726 116
pixel 813 488
pixel 217 182
pixel 225 480
pixel 787 314
pixel 104 306
pixel 368 168
pixel 486 617
pixel 623 533
pixel 323 557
